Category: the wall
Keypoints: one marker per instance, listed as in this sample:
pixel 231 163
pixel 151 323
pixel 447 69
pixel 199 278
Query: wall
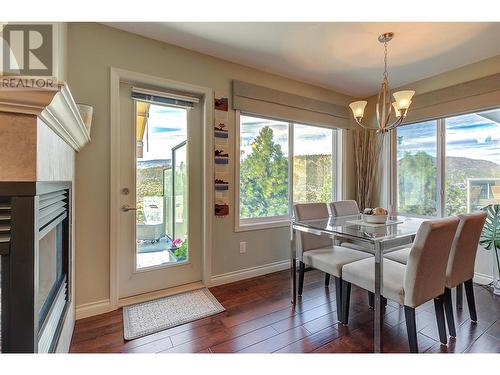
pixel 484 260
pixel 92 50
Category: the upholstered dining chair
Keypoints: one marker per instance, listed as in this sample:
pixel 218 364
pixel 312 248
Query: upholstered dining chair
pixel 320 253
pixel 460 267
pixel 344 208
pixel 348 208
pixel 420 280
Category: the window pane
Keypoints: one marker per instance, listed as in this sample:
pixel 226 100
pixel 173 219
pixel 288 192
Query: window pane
pixel 312 164
pixel 472 161
pixel 263 167
pixel 417 168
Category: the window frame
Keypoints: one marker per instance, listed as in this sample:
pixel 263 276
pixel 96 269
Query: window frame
pixel 392 193
pixel 284 220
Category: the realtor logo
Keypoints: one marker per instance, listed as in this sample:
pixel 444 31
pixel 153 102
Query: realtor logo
pixel 26 56
pixel 27 50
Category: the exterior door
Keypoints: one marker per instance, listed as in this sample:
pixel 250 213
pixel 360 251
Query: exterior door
pixel 161 184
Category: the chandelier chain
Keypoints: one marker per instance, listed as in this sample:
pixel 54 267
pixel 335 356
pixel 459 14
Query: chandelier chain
pixel 385 60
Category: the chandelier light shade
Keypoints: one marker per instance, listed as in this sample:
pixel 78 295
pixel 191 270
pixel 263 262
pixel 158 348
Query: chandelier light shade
pixel 391 108
pixel 358 108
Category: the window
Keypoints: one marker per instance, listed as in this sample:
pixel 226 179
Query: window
pixel 264 170
pixel 268 182
pixel 448 166
pixel 312 164
pixel 472 178
pixel 417 169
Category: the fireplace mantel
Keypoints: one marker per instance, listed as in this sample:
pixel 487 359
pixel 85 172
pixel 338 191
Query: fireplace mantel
pixel 41 133
pixel 55 107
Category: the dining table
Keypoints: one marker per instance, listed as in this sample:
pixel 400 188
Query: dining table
pixel 376 239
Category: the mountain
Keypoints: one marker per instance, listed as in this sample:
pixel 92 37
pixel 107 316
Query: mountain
pixel 156 163
pixel 457 162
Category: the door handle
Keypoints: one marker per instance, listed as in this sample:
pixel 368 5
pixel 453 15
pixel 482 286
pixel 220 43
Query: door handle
pixel 126 208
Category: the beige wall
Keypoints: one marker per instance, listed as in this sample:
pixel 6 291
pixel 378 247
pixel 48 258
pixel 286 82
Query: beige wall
pixel 92 50
pixel 484 259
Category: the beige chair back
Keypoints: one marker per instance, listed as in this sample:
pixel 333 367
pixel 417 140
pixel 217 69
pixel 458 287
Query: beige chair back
pixel 464 248
pixel 311 211
pixel 344 208
pixel 426 267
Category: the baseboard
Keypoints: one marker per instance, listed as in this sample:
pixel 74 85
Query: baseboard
pixel 93 308
pixel 481 278
pixel 248 273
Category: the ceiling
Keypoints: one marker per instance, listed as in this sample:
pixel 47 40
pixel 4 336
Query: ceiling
pixel 345 57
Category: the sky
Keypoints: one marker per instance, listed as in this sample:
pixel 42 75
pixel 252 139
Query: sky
pixel 309 140
pixel 167 127
pixel 471 136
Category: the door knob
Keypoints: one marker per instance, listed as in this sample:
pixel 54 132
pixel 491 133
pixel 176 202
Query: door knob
pixel 126 208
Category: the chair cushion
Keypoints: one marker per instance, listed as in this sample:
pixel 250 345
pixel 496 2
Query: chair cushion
pixel 355 246
pixel 400 256
pixel 332 259
pixel 362 274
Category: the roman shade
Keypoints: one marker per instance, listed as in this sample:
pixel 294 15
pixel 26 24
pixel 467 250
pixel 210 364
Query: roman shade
pixel 472 96
pixel 281 105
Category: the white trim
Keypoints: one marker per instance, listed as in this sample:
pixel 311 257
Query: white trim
pixel 56 108
pixel 441 167
pixel 63 117
pixel 93 308
pixel 339 154
pixel 247 273
pixel 117 75
pixel 481 278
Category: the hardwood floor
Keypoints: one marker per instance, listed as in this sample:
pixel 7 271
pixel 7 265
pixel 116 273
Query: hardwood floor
pixel 259 319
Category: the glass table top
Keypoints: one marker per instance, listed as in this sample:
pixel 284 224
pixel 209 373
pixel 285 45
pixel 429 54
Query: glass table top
pixel 352 226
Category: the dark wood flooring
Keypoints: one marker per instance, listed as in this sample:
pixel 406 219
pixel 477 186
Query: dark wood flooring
pixel 259 319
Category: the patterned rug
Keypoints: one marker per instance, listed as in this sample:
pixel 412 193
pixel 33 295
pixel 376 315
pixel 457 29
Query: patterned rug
pixel 153 316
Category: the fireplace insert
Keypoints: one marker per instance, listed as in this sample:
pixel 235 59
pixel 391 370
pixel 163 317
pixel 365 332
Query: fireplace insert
pixel 35 243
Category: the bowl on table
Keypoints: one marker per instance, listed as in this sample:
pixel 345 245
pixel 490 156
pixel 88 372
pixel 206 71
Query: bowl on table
pixel 375 219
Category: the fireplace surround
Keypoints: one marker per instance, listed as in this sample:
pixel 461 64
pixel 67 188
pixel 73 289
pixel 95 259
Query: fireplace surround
pixel 35 243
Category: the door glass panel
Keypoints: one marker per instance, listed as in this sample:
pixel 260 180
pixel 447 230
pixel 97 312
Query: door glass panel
pixel 159 132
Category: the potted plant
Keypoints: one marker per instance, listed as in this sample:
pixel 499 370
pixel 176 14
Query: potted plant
pixel 490 238
pixel 180 248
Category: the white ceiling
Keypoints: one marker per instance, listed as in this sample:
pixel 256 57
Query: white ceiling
pixel 345 57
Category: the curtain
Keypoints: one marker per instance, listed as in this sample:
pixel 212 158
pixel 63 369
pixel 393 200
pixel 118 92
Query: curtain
pixel 367 148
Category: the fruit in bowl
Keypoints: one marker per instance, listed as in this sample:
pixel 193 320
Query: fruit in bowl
pixel 377 215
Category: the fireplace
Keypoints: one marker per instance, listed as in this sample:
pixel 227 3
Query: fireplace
pixel 35 270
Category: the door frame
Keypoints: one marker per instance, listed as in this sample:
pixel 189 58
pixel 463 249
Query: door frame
pixel 118 75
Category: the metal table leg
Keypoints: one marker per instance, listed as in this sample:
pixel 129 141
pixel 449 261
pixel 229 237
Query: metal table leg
pixel 293 267
pixel 377 331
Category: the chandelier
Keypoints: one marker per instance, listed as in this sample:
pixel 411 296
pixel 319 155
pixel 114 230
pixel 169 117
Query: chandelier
pixel 385 106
